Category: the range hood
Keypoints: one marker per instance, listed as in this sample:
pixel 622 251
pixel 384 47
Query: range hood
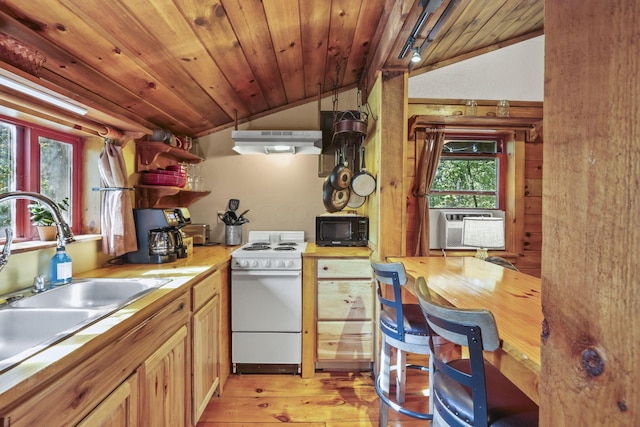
pixel 277 141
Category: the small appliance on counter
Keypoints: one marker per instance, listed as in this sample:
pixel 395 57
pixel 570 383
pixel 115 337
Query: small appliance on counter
pixel 199 232
pixel 342 230
pixel 158 234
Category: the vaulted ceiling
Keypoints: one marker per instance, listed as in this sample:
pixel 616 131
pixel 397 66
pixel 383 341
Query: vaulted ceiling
pixel 196 66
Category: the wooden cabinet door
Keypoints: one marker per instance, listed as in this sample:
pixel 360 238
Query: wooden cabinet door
pixel 119 409
pixel 205 356
pixel 163 384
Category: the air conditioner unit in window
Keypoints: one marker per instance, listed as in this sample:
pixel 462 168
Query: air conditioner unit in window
pixel 450 226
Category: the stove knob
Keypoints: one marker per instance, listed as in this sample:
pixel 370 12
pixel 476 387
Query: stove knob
pixel 243 263
pixel 254 263
pixel 289 263
pixel 267 263
pixel 280 263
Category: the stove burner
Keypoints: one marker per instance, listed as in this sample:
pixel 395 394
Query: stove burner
pixel 287 244
pixel 257 247
pixel 284 248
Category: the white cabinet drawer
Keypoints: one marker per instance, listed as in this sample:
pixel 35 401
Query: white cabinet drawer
pixel 335 268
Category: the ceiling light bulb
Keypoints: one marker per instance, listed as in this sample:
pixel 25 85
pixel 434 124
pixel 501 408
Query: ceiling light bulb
pixel 416 55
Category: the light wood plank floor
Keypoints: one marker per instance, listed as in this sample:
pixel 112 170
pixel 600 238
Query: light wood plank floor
pixel 330 399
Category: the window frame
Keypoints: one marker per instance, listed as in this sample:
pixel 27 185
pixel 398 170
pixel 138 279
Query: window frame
pixel 501 156
pixel 28 173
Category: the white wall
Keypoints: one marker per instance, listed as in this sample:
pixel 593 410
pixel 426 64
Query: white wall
pixel 514 73
pixel 283 192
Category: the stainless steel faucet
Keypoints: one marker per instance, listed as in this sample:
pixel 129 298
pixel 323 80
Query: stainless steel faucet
pixel 64 231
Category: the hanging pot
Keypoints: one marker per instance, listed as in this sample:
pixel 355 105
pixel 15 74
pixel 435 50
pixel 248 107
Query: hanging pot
pixel 363 183
pixel 334 200
pixel 340 176
pixel 355 200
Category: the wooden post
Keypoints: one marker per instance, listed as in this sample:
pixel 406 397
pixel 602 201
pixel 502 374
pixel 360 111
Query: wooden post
pixel 591 221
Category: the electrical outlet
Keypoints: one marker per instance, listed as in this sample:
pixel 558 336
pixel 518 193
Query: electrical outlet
pixel 220 214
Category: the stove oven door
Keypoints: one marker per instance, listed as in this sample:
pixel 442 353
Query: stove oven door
pixel 266 301
pixel 266 316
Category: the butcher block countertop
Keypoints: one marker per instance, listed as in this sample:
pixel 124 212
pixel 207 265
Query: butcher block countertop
pixel 18 382
pixel 335 251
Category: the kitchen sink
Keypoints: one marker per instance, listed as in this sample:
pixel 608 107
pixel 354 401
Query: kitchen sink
pixel 23 332
pixel 90 293
pixel 35 322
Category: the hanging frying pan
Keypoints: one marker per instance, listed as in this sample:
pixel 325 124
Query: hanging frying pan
pixel 334 200
pixel 363 183
pixel 355 200
pixel 340 176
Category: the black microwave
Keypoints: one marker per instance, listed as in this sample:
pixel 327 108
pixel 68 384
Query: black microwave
pixel 346 230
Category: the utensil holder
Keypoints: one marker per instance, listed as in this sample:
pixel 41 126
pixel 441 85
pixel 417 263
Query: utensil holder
pixel 233 235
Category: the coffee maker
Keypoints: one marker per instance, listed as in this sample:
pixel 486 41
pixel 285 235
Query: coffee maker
pixel 156 231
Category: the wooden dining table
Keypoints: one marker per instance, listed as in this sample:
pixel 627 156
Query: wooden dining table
pixel 512 297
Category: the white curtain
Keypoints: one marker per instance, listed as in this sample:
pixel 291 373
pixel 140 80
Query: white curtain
pixel 117 224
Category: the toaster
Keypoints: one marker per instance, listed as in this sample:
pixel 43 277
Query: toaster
pixel 199 232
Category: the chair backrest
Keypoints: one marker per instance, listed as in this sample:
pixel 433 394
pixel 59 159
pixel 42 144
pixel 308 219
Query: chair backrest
pixel 501 261
pixel 471 328
pixel 391 273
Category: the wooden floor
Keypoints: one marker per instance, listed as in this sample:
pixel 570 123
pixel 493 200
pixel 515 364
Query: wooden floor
pixel 330 399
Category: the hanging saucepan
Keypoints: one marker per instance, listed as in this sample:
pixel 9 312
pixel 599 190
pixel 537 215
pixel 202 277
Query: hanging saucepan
pixel 340 176
pixel 363 183
pixel 334 200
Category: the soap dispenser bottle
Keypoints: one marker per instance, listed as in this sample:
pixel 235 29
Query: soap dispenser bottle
pixel 60 267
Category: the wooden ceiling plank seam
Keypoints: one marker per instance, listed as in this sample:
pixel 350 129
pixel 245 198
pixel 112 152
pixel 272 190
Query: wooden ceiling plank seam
pixel 211 26
pixel 315 39
pixel 76 73
pixel 252 31
pixel 166 31
pixel 491 30
pixel 341 36
pixel 151 88
pixel 370 12
pixel 464 42
pixel 283 19
pixel 159 87
pixel 461 17
pixel 177 35
pixel 530 20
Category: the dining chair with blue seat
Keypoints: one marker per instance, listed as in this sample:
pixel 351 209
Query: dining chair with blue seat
pixel 403 328
pixel 470 391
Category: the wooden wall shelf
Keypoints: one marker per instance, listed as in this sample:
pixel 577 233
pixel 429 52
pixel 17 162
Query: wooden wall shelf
pixel 473 122
pixel 157 155
pixel 158 196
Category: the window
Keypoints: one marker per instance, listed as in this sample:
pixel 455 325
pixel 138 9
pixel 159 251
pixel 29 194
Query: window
pixel 36 159
pixel 470 174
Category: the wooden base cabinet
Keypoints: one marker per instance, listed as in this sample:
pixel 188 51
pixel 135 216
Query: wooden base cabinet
pixel 119 409
pixel 205 359
pixel 163 383
pixel 344 310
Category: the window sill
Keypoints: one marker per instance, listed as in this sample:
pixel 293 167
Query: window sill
pixel 34 245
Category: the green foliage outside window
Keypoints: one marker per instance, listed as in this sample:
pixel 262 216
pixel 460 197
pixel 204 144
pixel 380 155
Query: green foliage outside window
pixel 467 176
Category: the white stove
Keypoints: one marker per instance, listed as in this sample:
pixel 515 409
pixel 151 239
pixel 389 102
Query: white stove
pixel 266 302
pixel 270 250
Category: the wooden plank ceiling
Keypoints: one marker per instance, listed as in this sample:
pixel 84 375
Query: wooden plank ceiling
pixel 194 67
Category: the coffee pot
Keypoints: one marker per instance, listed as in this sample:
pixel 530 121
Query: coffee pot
pixel 162 242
